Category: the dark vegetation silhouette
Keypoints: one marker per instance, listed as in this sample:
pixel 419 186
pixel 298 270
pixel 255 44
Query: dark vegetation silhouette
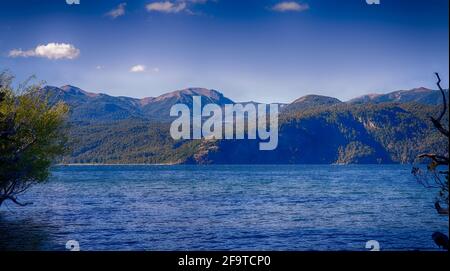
pixel 436 174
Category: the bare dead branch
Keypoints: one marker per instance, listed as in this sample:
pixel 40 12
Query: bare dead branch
pixel 13 199
pixel 437 121
pixel 439 159
pixel 444 109
pixel 439 209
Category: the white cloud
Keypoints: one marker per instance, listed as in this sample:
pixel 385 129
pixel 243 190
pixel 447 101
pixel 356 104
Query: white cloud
pixel 118 11
pixel 290 6
pixel 166 7
pixel 155 69
pixel 197 1
pixel 138 68
pixel 175 6
pixel 50 51
pixel 20 53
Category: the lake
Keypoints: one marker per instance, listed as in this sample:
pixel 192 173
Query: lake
pixel 220 207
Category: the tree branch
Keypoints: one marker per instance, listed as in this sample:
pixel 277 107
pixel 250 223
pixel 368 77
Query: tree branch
pixel 439 209
pixel 437 121
pixel 439 159
pixel 13 199
pixel 443 97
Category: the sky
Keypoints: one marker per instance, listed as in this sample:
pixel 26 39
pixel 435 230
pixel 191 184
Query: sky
pixel 261 50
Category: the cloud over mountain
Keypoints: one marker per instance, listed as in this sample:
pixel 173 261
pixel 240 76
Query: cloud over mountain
pixel 50 51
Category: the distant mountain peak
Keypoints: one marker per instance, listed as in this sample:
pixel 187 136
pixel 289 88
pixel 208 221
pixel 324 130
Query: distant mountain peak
pixel 209 93
pixel 421 89
pixel 211 96
pixel 77 91
pixel 312 98
pixel 310 101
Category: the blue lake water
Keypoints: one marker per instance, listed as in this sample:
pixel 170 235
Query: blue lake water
pixel 239 207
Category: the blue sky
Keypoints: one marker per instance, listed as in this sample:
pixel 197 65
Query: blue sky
pixel 263 50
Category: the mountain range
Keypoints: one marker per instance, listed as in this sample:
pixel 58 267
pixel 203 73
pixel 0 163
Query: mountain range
pixel 92 107
pixel 379 128
pixel 419 95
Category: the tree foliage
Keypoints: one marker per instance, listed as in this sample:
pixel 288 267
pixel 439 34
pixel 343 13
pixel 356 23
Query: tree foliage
pixel 31 137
